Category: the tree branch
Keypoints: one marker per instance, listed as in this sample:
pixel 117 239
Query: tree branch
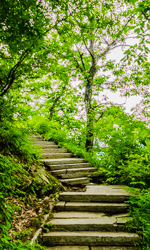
pixel 102 113
pixel 114 41
pixel 148 19
pixel 81 57
pixel 120 45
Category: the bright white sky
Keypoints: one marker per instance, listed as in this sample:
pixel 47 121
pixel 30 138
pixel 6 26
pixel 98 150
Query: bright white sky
pixel 131 102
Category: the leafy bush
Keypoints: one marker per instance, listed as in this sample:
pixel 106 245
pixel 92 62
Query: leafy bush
pixel 10 184
pixel 140 211
pixel 126 150
pixel 15 141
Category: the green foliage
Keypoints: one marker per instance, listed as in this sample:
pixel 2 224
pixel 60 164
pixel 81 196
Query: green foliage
pixel 15 141
pixel 141 216
pixel 126 154
pixel 12 177
pixel 42 125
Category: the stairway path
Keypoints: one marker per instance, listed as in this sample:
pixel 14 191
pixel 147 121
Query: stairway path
pixel 63 165
pixel 92 220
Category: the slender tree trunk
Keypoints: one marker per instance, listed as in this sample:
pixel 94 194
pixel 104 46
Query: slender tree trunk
pixel 90 132
pixel 88 99
pixel 90 116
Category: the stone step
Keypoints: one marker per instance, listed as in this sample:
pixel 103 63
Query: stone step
pixel 112 248
pixel 73 171
pixel 90 238
pixel 76 175
pixel 91 248
pixel 54 150
pixel 73 214
pixel 69 166
pixel 76 181
pixel 36 138
pixel 98 223
pixel 92 207
pixel 56 155
pixel 43 147
pixel 62 161
pixel 85 197
pixel 43 143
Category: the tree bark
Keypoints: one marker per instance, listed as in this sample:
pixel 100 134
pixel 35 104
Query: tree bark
pixel 88 100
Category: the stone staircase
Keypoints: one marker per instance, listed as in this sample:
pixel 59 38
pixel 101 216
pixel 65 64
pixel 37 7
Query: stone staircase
pixel 63 165
pixel 92 220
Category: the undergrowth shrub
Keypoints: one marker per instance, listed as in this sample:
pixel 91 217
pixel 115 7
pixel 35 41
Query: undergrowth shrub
pixel 10 185
pixel 140 211
pixel 125 154
pixel 15 141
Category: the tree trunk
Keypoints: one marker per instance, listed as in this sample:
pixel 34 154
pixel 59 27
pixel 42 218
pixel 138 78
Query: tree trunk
pixel 90 116
pixel 89 132
pixel 88 99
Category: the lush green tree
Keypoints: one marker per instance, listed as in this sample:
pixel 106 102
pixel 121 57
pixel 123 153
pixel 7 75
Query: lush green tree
pixel 83 43
pixel 23 27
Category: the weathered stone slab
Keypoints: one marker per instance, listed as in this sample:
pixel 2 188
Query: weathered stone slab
pixel 86 221
pixel 90 238
pixel 36 138
pixel 59 172
pixel 68 248
pixel 76 175
pixel 45 146
pixel 63 215
pixel 113 248
pixel 54 150
pixel 93 207
pixel 55 155
pixel 76 181
pixel 102 224
pixel 110 189
pixel 85 196
pixel 80 170
pixel 69 166
pixel 60 206
pixel 62 161
pixel 40 143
